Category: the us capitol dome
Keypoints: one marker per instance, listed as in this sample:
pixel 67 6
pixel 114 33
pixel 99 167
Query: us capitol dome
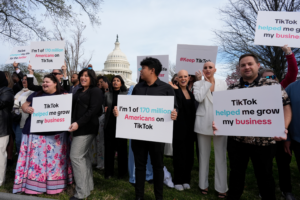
pixel 117 64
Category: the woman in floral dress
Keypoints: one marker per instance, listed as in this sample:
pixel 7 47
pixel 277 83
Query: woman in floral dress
pixel 43 165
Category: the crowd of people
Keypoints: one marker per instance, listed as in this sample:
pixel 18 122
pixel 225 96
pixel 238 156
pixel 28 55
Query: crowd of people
pixel 49 161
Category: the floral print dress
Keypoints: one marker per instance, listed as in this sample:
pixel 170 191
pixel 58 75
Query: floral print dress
pixel 43 164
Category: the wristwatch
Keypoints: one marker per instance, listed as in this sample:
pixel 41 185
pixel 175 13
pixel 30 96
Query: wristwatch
pixel 289 53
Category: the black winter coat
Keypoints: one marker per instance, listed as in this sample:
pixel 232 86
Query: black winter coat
pixel 6 105
pixel 86 109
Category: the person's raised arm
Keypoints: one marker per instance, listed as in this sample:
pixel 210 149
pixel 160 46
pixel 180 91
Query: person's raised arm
pixel 30 78
pixel 292 70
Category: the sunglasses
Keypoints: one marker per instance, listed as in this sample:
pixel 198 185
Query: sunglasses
pixel 55 73
pixel 270 77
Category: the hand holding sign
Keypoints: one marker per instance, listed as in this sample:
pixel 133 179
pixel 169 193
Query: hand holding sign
pixel 15 65
pixel 286 49
pixel 214 127
pixel 74 126
pixel 115 111
pixel 282 138
pixel 174 114
pixel 30 69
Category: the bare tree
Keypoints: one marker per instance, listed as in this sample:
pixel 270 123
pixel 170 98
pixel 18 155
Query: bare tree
pixel 85 62
pixel 18 22
pixel 237 37
pixel 74 50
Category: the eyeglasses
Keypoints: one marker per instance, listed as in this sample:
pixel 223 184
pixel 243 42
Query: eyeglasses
pixel 55 73
pixel 270 77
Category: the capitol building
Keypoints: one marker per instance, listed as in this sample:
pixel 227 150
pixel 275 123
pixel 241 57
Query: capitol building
pixel 117 64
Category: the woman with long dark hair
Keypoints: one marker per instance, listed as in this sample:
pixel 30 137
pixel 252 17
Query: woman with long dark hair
pixel 43 164
pixel 111 143
pixel 86 109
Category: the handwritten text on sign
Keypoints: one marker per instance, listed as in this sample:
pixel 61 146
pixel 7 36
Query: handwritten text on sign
pixel 47 55
pixel 51 113
pixel 193 57
pixel 19 55
pixel 278 29
pixel 164 60
pixel 145 118
pixel 249 112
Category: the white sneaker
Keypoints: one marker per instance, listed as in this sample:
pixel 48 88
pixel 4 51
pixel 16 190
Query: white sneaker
pixel 186 186
pixel 169 183
pixel 179 187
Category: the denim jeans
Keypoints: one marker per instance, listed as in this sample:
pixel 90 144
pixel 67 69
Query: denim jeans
pixel 18 134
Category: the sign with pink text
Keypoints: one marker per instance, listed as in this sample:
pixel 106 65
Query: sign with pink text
pixel 47 54
pixel 278 29
pixel 164 60
pixel 145 118
pixel 19 55
pixel 192 57
pixel 51 113
pixel 256 112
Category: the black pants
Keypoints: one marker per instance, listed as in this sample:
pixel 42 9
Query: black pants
pixel 262 159
pixel 295 146
pixel 183 160
pixel 156 150
pixel 283 161
pixel 112 144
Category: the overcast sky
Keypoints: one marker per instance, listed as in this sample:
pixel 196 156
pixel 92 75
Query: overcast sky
pixel 149 27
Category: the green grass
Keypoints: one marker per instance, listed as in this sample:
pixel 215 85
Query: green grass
pixel 114 189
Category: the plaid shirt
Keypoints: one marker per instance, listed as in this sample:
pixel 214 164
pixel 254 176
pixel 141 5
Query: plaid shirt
pixel 258 82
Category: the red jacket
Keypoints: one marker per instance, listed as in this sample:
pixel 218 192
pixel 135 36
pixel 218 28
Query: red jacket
pixel 292 72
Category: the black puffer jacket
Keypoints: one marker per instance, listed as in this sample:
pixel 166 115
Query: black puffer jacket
pixel 6 105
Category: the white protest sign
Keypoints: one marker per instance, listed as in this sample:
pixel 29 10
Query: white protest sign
pixel 164 60
pixel 192 57
pixel 249 112
pixel 145 118
pixel 47 55
pixel 278 29
pixel 19 55
pixel 51 113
